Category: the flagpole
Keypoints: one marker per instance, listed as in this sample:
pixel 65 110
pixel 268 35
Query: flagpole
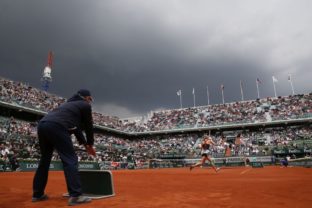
pixel 222 97
pixel 179 93
pixel 194 97
pixel 291 84
pixel 273 78
pixel 241 88
pixel 274 89
pixel 208 94
pixel 181 99
pixel 257 83
pixel 292 88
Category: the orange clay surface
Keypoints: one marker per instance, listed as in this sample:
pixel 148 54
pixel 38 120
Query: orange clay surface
pixel 271 187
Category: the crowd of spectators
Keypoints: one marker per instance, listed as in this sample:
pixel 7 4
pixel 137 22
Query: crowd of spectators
pixel 261 110
pixel 22 94
pixel 254 111
pixel 18 140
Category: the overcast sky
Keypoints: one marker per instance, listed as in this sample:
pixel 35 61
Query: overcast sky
pixel 134 55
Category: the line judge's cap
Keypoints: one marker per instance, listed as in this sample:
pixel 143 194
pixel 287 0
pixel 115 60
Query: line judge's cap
pixel 84 92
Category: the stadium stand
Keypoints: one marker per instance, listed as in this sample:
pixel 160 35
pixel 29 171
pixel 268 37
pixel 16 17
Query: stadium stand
pixel 264 127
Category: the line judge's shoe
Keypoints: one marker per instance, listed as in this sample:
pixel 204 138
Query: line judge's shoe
pixel 41 198
pixel 72 201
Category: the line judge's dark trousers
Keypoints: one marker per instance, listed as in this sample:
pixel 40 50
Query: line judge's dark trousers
pixel 54 136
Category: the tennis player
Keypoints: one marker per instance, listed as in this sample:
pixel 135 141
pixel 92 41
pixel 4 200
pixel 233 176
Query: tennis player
pixel 205 153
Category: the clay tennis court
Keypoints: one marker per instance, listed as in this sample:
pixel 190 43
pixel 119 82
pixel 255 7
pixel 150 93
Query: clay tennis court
pixel 230 188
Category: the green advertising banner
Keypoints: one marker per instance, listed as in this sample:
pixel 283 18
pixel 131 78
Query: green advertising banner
pixel 291 151
pixel 89 166
pixel 32 165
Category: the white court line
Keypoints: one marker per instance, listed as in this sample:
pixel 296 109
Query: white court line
pixel 245 171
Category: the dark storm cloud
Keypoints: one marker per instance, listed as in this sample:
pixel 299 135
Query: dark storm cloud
pixel 135 55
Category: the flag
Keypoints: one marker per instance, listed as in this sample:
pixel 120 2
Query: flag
pixel 193 92
pixel 179 93
pixel 289 77
pixel 222 87
pixel 274 79
pixel 259 81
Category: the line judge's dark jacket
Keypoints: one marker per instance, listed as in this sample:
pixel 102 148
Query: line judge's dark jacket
pixel 76 116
